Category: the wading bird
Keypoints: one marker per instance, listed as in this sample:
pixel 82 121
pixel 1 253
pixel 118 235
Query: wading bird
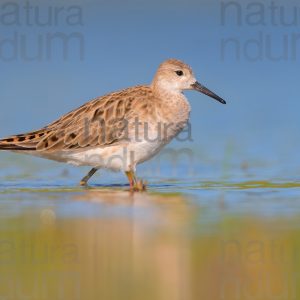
pixel 120 130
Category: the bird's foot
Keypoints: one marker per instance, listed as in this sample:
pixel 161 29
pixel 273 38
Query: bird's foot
pixel 139 186
pixel 83 183
pixel 86 178
pixel 136 185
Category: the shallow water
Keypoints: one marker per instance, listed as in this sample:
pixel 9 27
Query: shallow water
pixel 189 236
pixel 220 222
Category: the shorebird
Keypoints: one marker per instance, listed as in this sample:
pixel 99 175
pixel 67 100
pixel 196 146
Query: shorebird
pixel 120 130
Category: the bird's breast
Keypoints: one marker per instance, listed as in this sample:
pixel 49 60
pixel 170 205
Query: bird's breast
pixel 175 114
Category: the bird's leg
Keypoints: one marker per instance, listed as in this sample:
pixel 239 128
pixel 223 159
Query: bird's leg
pixel 135 184
pixel 131 178
pixel 85 179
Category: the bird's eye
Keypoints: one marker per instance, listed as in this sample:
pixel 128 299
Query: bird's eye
pixel 179 73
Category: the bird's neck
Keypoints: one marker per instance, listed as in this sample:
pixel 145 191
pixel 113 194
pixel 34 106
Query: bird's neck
pixel 174 103
pixel 166 92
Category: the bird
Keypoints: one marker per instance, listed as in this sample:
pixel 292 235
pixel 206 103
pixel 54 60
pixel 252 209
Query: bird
pixel 119 130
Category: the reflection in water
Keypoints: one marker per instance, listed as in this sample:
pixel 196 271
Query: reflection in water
pixel 110 244
pixel 138 251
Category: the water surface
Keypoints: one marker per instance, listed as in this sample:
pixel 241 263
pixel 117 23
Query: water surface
pixel 188 237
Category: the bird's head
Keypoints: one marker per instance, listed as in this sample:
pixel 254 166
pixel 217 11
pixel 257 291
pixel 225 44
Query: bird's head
pixel 174 76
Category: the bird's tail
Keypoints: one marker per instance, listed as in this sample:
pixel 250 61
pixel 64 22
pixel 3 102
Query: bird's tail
pixel 22 142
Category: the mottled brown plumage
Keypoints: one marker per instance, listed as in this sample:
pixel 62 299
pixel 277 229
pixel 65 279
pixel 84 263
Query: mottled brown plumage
pixel 123 124
pixel 83 127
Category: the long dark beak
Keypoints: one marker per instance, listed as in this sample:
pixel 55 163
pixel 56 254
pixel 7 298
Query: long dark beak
pixel 202 89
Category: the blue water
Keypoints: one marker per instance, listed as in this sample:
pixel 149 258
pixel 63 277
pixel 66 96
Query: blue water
pixel 239 186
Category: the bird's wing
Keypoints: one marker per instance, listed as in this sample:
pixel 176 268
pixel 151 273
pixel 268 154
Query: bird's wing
pixel 100 122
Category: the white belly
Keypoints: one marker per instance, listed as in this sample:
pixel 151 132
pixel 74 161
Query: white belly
pixel 120 157
pixel 115 158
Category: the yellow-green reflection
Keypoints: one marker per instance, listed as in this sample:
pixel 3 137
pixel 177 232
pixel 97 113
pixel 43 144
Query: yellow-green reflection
pixel 146 246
